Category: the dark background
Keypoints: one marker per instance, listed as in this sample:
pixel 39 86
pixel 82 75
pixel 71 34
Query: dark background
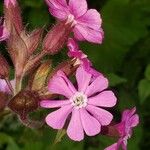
pixel 124 57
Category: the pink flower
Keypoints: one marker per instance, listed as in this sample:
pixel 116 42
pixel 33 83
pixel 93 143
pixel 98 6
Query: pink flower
pixel 74 52
pixel 87 23
pixel 82 105
pixel 3 31
pixel 82 58
pixel 129 120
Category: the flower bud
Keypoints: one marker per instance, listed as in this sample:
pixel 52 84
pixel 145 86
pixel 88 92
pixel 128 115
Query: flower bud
pixel 18 51
pixel 24 102
pixel 67 67
pixel 9 2
pixel 32 39
pixel 56 37
pixel 4 68
pixel 3 31
pixel 12 15
pixel 40 77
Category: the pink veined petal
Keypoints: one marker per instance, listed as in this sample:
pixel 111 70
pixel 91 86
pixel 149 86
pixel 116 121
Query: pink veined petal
pixel 59 84
pixel 91 35
pixel 58 118
pixel 59 14
pixel 90 125
pixel 94 73
pixel 91 19
pixel 58 8
pixel 72 45
pixel 75 129
pixel 78 7
pixel 112 147
pixel 98 85
pixel 57 4
pixel 53 103
pixel 75 54
pixel 86 64
pixel 104 117
pixel 104 99
pixel 83 79
pixel 70 85
pixel 134 120
pixel 78 36
pixel 121 128
pixel 128 113
pixel 124 145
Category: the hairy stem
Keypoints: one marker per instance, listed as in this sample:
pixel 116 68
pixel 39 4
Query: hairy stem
pixel 18 84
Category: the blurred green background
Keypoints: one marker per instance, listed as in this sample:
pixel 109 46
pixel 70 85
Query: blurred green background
pixel 124 57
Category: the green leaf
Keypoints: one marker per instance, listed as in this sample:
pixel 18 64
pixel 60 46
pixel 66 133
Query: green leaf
pixel 115 80
pixel 144 90
pixel 6 139
pixel 147 72
pixel 133 142
pixel 59 136
pixel 34 146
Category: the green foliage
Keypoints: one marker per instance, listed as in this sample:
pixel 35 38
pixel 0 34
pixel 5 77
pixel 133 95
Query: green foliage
pixel 6 139
pixel 115 79
pixel 144 86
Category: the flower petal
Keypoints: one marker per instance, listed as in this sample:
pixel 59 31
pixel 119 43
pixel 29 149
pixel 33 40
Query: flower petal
pixel 57 3
pixel 91 19
pixel 78 7
pixel 4 34
pixel 134 120
pixel 90 124
pixel 72 45
pixel 59 84
pixel 98 85
pixel 83 78
pixel 103 116
pixel 77 34
pixel 104 99
pixel 53 103
pixel 58 118
pixel 112 147
pixel 3 86
pixel 86 33
pixel 58 8
pixel 59 14
pixel 75 129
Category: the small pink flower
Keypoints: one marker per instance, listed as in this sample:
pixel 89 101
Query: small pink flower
pixel 3 31
pixel 82 105
pixel 82 59
pixel 129 120
pixel 74 52
pixel 87 23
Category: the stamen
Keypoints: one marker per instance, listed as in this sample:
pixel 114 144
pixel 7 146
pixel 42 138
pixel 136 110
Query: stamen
pixel 79 100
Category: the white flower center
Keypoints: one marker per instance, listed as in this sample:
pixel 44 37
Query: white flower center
pixel 71 20
pixel 79 100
